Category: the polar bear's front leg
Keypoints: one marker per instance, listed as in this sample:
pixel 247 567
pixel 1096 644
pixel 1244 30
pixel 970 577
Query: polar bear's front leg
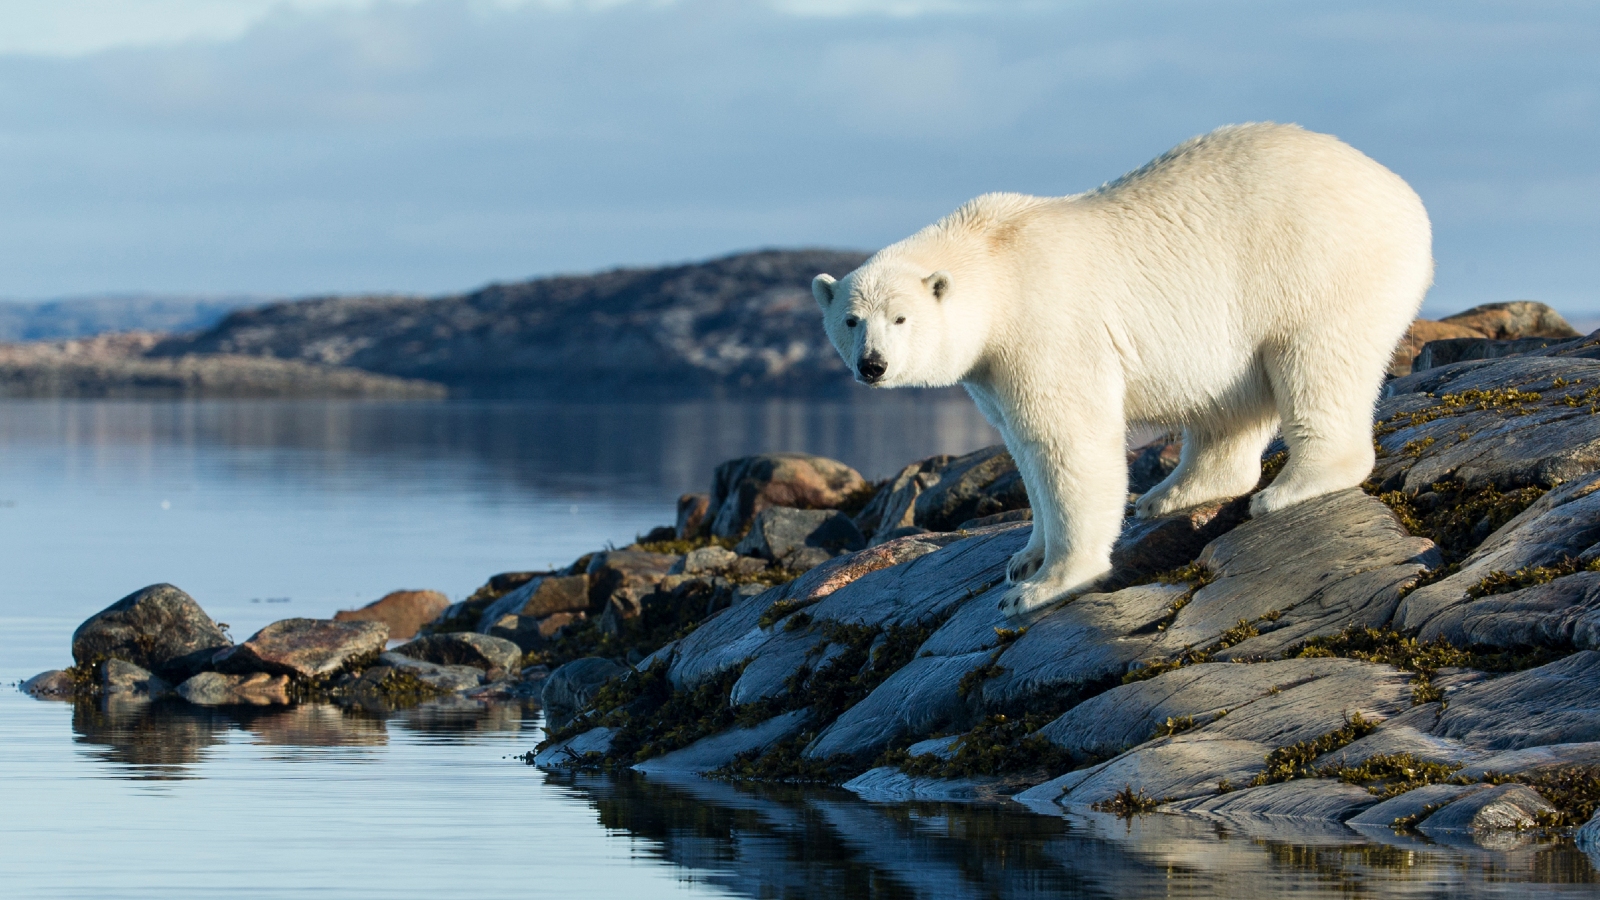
pixel 1077 483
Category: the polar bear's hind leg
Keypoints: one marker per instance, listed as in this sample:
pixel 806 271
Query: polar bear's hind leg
pixel 1216 464
pixel 1326 405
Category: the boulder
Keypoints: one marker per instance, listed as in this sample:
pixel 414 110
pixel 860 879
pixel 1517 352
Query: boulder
pixel 305 648
pixel 120 677
pixel 217 689
pixel 529 633
pixel 978 484
pixel 1420 334
pixel 619 580
pixel 538 597
pixel 496 656
pixel 742 488
pixel 704 560
pixel 1512 807
pixel 800 538
pixel 55 684
pixel 694 518
pixel 159 628
pixel 403 611
pixel 893 506
pixel 448 678
pixel 1513 320
pixel 571 688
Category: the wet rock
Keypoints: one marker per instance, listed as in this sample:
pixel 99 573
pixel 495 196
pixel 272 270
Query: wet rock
pixel 403 611
pixel 571 688
pixel 978 484
pixel 887 784
pixel 1512 807
pixel 742 488
pixel 217 689
pixel 893 507
pixel 1588 836
pixel 704 560
pixel 159 628
pixel 55 684
pixel 1318 799
pixel 305 648
pixel 577 750
pixel 1414 802
pixel 694 516
pixel 918 699
pixel 1348 562
pixel 119 677
pixel 541 596
pixel 493 655
pixel 448 678
pixel 1168 771
pixel 1563 523
pixel 718 750
pixel 800 538
pixel 1275 704
pixel 619 580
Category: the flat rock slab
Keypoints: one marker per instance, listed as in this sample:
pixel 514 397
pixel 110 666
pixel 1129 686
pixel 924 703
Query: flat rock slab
pixel 1512 807
pixel 718 750
pixel 916 700
pixel 451 679
pixel 1554 704
pixel 1563 523
pixel 466 648
pixel 1562 613
pixel 403 611
pixel 55 684
pixel 217 689
pixel 887 784
pixel 1276 704
pixel 1416 802
pixel 305 648
pixel 1318 799
pixel 1167 770
pixel 576 750
pixel 1346 565
pixel 159 628
pixel 1534 759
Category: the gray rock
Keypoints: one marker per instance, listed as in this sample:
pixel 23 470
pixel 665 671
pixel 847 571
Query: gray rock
pixel 576 750
pixel 159 628
pixel 305 648
pixel 1274 704
pixel 742 488
pixel 450 678
pixel 1453 350
pixel 120 677
pixel 620 580
pixel 941 747
pixel 1319 799
pixel 497 656
pixel 1150 465
pixel 1405 733
pixel 705 559
pixel 783 655
pixel 694 516
pixel 1415 802
pixel 1346 565
pixel 1168 770
pixel 1507 806
pixel 978 484
pixel 217 689
pixel 1533 759
pixel 919 698
pixel 1554 704
pixel 570 688
pixel 800 538
pixel 1587 837
pixel 55 684
pixel 1562 613
pixel 892 508
pixel 887 784
pixel 718 750
pixel 543 596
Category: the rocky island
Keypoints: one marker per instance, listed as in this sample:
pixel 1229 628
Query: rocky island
pixel 1419 656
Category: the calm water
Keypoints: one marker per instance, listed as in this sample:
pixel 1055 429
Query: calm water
pixel 266 510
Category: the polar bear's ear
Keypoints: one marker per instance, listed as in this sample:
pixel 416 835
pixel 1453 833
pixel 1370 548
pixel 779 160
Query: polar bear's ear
pixel 938 283
pixel 822 289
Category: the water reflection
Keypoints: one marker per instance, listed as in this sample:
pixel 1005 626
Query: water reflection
pixel 781 842
pixel 167 738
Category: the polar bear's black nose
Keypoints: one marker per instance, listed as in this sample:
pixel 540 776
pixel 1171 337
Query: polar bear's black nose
pixel 872 368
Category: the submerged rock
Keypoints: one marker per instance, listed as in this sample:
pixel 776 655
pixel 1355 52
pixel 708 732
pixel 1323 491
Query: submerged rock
pixel 446 678
pixel 55 684
pixel 305 648
pixel 119 677
pixel 403 611
pixel 496 656
pixel 159 628
pixel 217 689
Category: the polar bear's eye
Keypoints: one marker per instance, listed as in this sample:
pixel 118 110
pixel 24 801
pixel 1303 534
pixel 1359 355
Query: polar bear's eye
pixel 850 321
pixel 900 321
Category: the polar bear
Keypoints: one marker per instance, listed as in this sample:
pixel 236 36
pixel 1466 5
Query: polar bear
pixel 1255 277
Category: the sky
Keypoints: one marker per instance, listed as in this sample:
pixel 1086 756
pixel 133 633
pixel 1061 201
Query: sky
pixel 297 147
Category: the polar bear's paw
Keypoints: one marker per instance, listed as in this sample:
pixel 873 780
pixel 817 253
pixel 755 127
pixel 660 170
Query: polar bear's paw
pixel 1024 563
pixel 1026 596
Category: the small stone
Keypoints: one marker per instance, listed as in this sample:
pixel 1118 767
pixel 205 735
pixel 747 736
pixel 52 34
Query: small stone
pixel 305 648
pixel 159 628
pixel 55 684
pixel 465 648
pixel 447 678
pixel 705 559
pixel 800 538
pixel 121 677
pixel 403 611
pixel 217 689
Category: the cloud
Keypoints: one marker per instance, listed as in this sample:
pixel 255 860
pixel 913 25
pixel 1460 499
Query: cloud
pixel 435 144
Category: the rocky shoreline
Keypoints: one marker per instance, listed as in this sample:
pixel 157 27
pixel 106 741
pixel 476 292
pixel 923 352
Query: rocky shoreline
pixel 1421 656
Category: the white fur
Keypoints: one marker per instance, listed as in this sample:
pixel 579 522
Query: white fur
pixel 1255 276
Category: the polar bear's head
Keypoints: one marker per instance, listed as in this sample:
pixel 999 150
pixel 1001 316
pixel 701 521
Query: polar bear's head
pixel 897 324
